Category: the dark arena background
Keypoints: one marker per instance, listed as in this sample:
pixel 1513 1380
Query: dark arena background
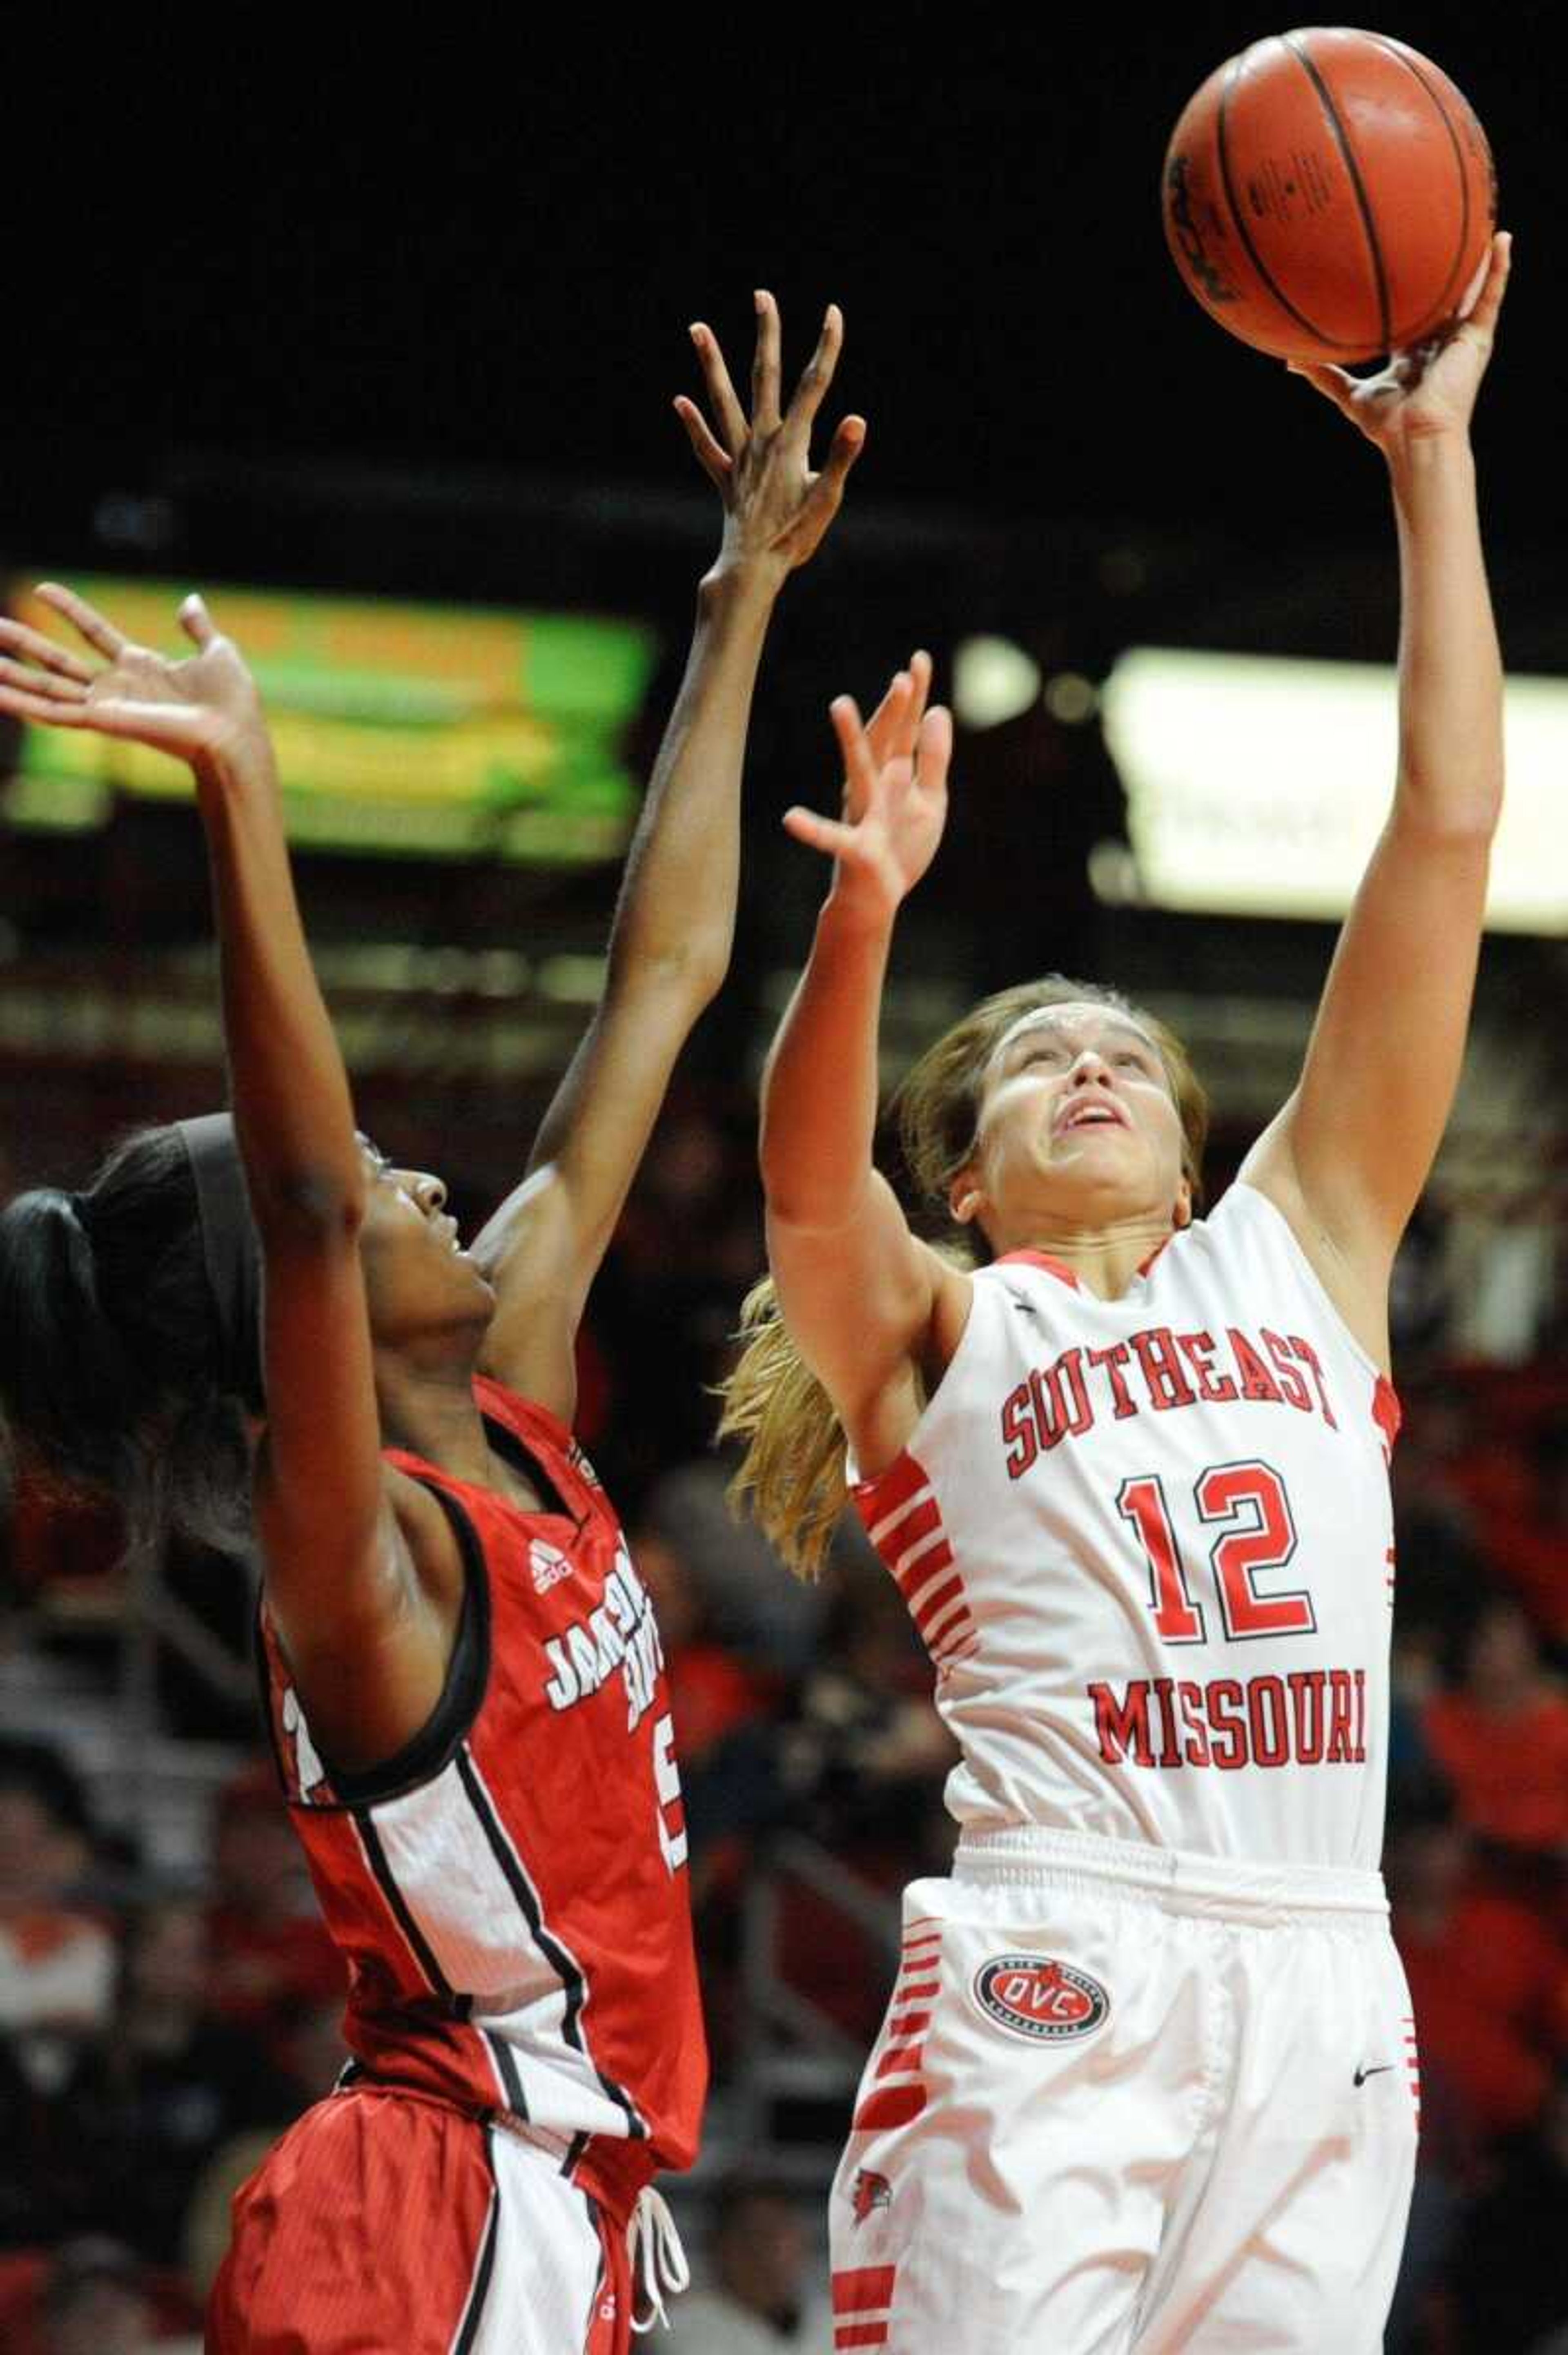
pixel 375 340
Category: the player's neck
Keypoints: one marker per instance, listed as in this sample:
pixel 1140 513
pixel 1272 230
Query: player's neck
pixel 430 1410
pixel 1106 1260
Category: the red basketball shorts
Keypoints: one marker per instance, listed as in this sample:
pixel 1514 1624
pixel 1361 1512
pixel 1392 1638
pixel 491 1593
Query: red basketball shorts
pixel 384 2221
pixel 1128 2102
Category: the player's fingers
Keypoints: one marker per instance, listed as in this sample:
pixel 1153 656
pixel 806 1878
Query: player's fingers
pixel 920 670
pixel 914 709
pixel 722 393
pixel 1482 314
pixel 888 733
pixel 846 445
pixel 825 496
pixel 85 619
pixel 18 703
pixel 933 749
pixel 714 460
pixel 197 622
pixel 765 365
pixel 885 719
pixel 43 651
pixel 860 763
pixel 1336 384
pixel 818 373
pixel 825 834
pixel 28 681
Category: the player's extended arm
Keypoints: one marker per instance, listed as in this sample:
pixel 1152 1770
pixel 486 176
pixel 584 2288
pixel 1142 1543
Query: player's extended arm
pixel 339 1576
pixel 860 1294
pixel 1349 1154
pixel 669 947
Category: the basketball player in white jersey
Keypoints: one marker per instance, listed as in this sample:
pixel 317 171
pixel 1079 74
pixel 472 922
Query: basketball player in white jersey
pixel 1148 2076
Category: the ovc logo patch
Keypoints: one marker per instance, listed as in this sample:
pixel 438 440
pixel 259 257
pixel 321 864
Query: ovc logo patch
pixel 1041 2000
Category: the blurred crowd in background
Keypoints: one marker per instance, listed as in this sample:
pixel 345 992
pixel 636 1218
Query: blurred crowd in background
pixel 158 2028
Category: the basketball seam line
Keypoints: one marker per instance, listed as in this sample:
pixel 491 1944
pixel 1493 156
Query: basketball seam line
pixel 1364 204
pixel 1240 220
pixel 1436 97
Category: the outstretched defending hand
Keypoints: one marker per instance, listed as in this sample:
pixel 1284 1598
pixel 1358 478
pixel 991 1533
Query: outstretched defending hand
pixel 775 509
pixel 895 794
pixel 198 709
pixel 1430 390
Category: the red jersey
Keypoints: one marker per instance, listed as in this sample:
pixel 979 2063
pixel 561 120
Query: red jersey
pixel 508 1891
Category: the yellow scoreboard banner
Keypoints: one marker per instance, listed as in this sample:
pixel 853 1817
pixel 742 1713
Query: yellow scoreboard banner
pixel 421 730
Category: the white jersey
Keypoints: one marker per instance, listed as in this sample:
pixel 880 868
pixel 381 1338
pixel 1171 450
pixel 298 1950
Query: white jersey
pixel 1148 1543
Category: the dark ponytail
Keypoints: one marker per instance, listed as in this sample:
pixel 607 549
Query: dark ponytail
pixel 112 1363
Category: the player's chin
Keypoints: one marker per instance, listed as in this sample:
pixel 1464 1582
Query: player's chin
pixel 475 1290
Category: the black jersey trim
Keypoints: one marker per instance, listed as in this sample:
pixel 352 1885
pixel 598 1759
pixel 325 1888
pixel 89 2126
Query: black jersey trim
pixel 564 1964
pixel 479 2289
pixel 574 2151
pixel 554 1505
pixel 447 1727
pixel 431 1750
pixel 505 2062
pixel 386 1881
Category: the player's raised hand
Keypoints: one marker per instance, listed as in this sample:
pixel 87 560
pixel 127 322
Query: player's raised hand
pixel 776 508
pixel 1430 390
pixel 892 730
pixel 895 795
pixel 196 709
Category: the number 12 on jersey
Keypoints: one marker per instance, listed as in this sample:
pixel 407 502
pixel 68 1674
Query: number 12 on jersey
pixel 1247 1507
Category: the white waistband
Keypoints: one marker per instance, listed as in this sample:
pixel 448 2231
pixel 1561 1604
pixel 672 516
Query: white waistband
pixel 1234 1888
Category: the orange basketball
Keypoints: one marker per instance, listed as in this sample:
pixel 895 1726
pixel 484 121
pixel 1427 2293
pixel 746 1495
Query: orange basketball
pixel 1330 196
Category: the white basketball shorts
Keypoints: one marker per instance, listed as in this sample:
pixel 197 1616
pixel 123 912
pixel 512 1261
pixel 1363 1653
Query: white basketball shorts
pixel 1126 2098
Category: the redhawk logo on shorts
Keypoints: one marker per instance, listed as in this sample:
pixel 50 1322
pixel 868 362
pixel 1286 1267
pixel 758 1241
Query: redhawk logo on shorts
pixel 1034 1997
pixel 870 2190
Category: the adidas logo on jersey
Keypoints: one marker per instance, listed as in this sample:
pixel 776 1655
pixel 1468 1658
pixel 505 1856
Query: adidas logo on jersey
pixel 549 1564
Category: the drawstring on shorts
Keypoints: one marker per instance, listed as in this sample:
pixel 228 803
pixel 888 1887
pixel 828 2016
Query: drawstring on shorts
pixel 656 2259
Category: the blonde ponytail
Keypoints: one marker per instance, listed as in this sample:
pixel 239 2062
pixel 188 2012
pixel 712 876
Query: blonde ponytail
pixel 792 1477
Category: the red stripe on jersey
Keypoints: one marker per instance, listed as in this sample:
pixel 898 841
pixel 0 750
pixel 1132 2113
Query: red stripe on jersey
pixel 923 1582
pixel 899 2060
pixel 875 1500
pixel 954 1639
pixel 910 1531
pixel 1387 1412
pixel 916 1990
pixel 950 1590
pixel 942 1614
pixel 864 2289
pixel 891 2105
pixel 909 2023
pixel 860 2334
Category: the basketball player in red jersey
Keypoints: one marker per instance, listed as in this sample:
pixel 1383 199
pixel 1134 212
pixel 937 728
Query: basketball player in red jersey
pixel 464 1678
pixel 1147 2080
